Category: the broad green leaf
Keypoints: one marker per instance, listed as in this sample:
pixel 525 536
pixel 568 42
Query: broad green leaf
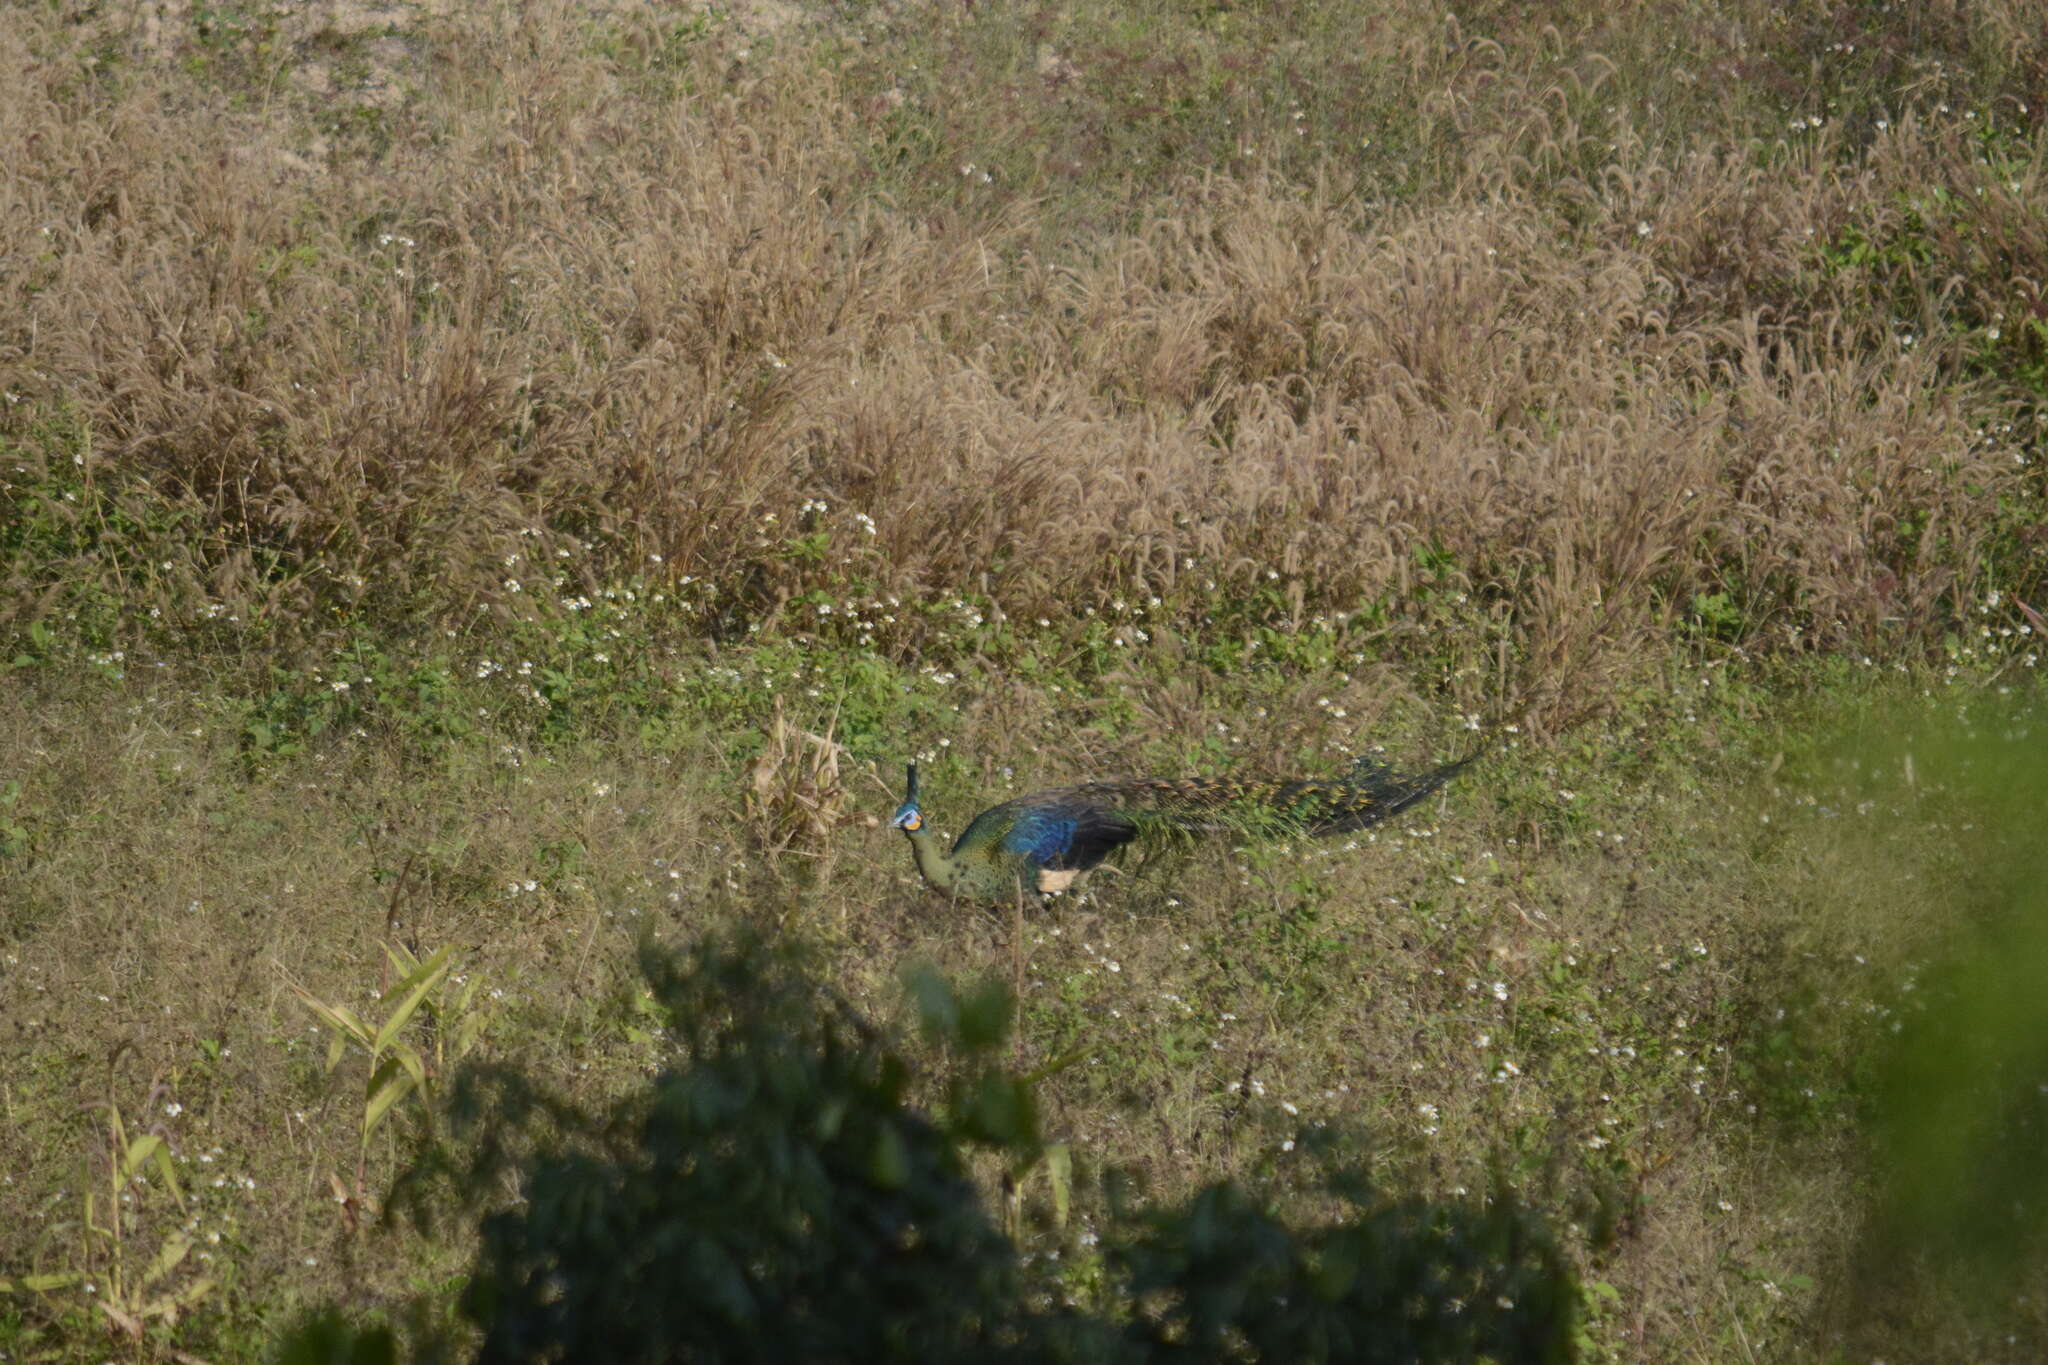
pixel 1059 1063
pixel 409 1058
pixel 40 1284
pixel 415 987
pixel 121 1318
pixel 388 1085
pixel 167 1257
pixel 402 961
pixel 168 1172
pixel 138 1154
pixel 1059 1171
pixel 889 1159
pixel 338 1017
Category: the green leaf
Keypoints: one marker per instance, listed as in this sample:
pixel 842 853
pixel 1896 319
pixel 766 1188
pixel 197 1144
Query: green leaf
pixel 1059 1173
pixel 138 1154
pixel 409 1057
pixel 167 1257
pixel 985 1016
pixel 1002 1111
pixel 938 1009
pixel 415 988
pixel 402 960
pixel 169 1173
pixel 40 1284
pixel 389 1084
pixel 472 1027
pixel 337 1017
pixel 1058 1064
pixel 889 1159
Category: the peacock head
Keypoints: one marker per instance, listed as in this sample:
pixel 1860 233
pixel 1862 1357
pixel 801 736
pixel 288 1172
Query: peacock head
pixel 909 818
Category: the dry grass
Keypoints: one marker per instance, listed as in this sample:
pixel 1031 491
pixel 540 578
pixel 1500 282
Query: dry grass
pixel 1606 374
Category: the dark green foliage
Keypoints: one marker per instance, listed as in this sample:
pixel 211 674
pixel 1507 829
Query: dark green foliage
pixel 775 1195
pixel 1402 1280
pixel 327 1338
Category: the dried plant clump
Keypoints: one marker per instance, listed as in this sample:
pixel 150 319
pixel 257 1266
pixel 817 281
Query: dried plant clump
pixel 794 797
pixel 1617 373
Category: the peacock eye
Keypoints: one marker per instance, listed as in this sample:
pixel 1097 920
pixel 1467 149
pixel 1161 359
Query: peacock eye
pixel 913 821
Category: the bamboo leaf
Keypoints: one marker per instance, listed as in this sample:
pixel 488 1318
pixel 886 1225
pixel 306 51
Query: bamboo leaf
pixel 401 959
pixel 127 1323
pixel 470 1029
pixel 1059 1063
pixel 1059 1171
pixel 139 1152
pixel 389 1084
pixel 169 1306
pixel 40 1284
pixel 340 1018
pixel 409 1058
pixel 169 1173
pixel 415 987
pixel 167 1257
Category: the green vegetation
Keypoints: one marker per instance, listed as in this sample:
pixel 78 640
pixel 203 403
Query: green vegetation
pixel 491 496
pixel 773 1195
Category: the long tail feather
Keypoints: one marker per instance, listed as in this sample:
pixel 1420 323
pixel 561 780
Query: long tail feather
pixel 1370 792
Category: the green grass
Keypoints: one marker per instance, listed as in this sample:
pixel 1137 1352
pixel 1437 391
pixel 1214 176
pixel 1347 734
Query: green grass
pixel 1567 970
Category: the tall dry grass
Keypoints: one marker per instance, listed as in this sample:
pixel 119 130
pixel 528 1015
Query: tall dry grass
pixel 1607 373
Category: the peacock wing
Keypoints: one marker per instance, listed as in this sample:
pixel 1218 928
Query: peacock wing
pixel 1061 835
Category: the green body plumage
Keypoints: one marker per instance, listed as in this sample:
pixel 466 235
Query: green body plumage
pixel 1041 842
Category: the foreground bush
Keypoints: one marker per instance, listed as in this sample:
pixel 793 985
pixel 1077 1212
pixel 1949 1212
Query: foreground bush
pixel 774 1194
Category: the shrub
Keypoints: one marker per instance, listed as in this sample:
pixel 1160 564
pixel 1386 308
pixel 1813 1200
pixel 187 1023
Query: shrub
pixel 774 1193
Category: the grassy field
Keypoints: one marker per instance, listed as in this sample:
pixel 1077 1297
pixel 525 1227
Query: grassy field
pixel 520 480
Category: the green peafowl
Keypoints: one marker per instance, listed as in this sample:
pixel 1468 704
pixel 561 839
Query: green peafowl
pixel 1042 842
